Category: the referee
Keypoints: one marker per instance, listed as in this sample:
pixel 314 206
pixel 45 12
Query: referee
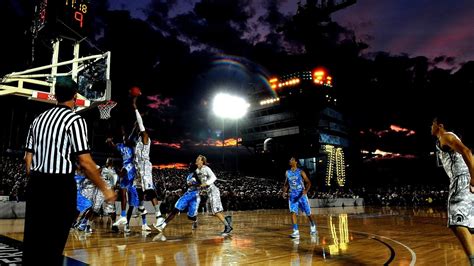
pixel 56 141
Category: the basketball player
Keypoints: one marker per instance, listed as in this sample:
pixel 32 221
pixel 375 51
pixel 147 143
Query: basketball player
pixel 127 177
pixel 298 200
pixel 144 167
pixel 111 178
pixel 93 204
pixel 207 178
pixel 189 200
pixel 458 162
pixel 84 200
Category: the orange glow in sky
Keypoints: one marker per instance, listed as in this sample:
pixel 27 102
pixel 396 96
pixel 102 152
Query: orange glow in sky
pixel 171 166
pixel 231 142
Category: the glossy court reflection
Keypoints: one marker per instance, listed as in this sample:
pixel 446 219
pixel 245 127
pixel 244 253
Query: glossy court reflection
pixel 346 236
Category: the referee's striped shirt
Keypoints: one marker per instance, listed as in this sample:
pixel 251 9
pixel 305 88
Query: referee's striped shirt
pixel 54 137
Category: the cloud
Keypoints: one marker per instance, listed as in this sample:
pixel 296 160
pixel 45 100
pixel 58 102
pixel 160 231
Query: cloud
pixel 393 143
pixel 158 103
pixel 414 27
pixel 215 25
pixel 171 166
pixel 408 132
pixel 384 155
pixel 158 12
pixel 231 142
pixel 169 145
pixel 394 129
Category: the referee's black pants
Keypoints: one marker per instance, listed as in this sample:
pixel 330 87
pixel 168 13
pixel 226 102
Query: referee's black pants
pixel 50 212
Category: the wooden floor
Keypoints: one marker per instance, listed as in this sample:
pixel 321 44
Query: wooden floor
pixel 349 236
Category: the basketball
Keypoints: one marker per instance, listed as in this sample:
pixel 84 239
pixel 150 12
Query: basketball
pixel 135 91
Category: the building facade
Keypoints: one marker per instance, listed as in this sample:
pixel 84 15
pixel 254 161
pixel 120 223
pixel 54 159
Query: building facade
pixel 299 117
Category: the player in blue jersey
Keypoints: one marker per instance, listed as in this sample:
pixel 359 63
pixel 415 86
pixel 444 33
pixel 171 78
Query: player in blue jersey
pixel 87 200
pixel 127 177
pixel 189 200
pixel 83 203
pixel 297 185
pixel 90 200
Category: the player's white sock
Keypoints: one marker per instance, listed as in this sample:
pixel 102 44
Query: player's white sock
pixel 157 210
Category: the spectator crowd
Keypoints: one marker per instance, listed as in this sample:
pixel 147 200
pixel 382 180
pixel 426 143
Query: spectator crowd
pixel 239 192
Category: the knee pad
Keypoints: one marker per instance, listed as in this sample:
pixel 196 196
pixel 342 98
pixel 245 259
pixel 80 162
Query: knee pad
pixel 194 218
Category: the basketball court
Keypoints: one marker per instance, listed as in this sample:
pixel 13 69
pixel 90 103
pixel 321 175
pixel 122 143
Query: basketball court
pixel 346 236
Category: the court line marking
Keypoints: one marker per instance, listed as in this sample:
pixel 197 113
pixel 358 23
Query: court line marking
pixel 413 254
pixel 392 251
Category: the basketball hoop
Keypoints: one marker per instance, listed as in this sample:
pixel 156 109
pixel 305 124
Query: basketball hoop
pixel 105 109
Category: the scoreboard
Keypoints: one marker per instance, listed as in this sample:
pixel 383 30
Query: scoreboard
pixel 75 14
pixel 64 18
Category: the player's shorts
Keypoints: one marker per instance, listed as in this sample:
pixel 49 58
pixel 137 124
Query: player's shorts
pixel 460 202
pixel 133 199
pixel 145 170
pixel 83 203
pixel 298 201
pixel 214 198
pixel 89 192
pixel 99 200
pixel 109 207
pixel 127 180
pixel 189 200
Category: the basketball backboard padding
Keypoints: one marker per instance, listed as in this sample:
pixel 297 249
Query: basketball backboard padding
pixel 49 98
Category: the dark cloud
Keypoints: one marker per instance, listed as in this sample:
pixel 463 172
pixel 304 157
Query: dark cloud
pixel 182 57
pixel 157 13
pixel 218 25
pixel 235 13
pixel 162 7
pixel 414 27
pixel 273 20
pixel 444 61
pixel 273 17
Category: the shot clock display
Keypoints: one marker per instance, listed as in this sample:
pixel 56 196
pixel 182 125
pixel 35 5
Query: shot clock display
pixel 76 13
pixel 65 18
pixel 72 18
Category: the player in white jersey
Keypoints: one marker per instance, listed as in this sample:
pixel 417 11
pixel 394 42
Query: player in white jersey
pixel 207 179
pixel 110 176
pixel 144 168
pixel 458 163
pixel 94 201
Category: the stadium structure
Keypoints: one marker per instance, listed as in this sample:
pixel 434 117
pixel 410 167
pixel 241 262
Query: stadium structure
pixel 299 117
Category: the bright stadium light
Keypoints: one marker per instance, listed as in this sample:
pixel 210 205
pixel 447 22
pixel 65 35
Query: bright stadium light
pixel 229 106
pixel 226 106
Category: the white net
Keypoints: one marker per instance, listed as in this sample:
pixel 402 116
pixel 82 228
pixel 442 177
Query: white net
pixel 105 109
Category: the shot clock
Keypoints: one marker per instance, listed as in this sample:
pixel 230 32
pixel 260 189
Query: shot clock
pixel 64 18
pixel 75 14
